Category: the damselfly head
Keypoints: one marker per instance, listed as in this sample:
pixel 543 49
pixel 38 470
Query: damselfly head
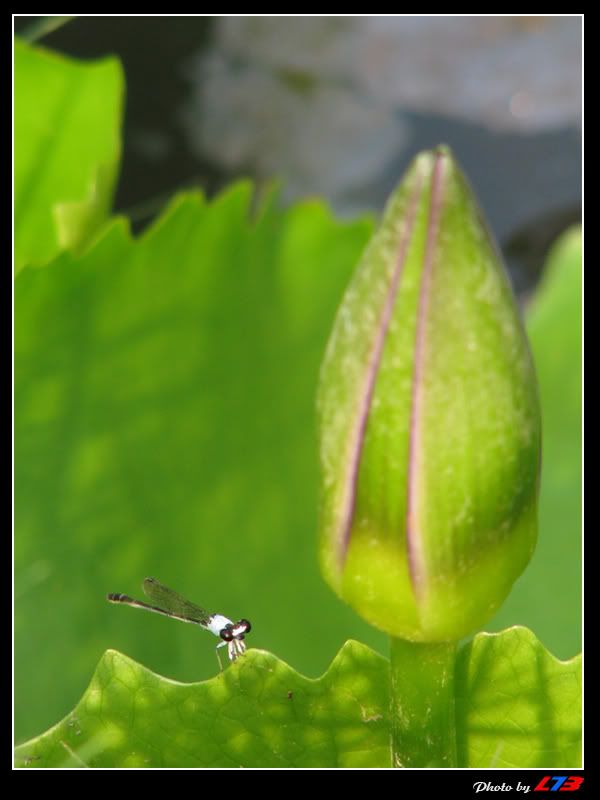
pixel 235 631
pixel 240 628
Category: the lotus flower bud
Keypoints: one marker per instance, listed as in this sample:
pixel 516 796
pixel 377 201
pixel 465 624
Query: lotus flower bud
pixel 429 419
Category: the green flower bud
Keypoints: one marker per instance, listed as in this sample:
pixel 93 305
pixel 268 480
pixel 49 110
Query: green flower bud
pixel 430 422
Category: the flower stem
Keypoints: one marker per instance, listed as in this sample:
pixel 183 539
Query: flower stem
pixel 422 699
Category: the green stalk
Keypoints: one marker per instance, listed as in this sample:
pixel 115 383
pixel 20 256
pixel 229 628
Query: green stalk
pixel 422 700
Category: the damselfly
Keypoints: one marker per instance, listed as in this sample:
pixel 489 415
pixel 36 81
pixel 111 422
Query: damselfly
pixel 171 604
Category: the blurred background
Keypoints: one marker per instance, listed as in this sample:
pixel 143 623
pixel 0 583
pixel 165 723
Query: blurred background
pixel 332 107
pixel 337 107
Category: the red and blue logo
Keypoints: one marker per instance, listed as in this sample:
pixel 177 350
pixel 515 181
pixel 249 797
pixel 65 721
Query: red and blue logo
pixel 559 783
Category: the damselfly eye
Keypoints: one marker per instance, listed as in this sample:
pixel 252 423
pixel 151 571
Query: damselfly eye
pixel 226 633
pixel 243 623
